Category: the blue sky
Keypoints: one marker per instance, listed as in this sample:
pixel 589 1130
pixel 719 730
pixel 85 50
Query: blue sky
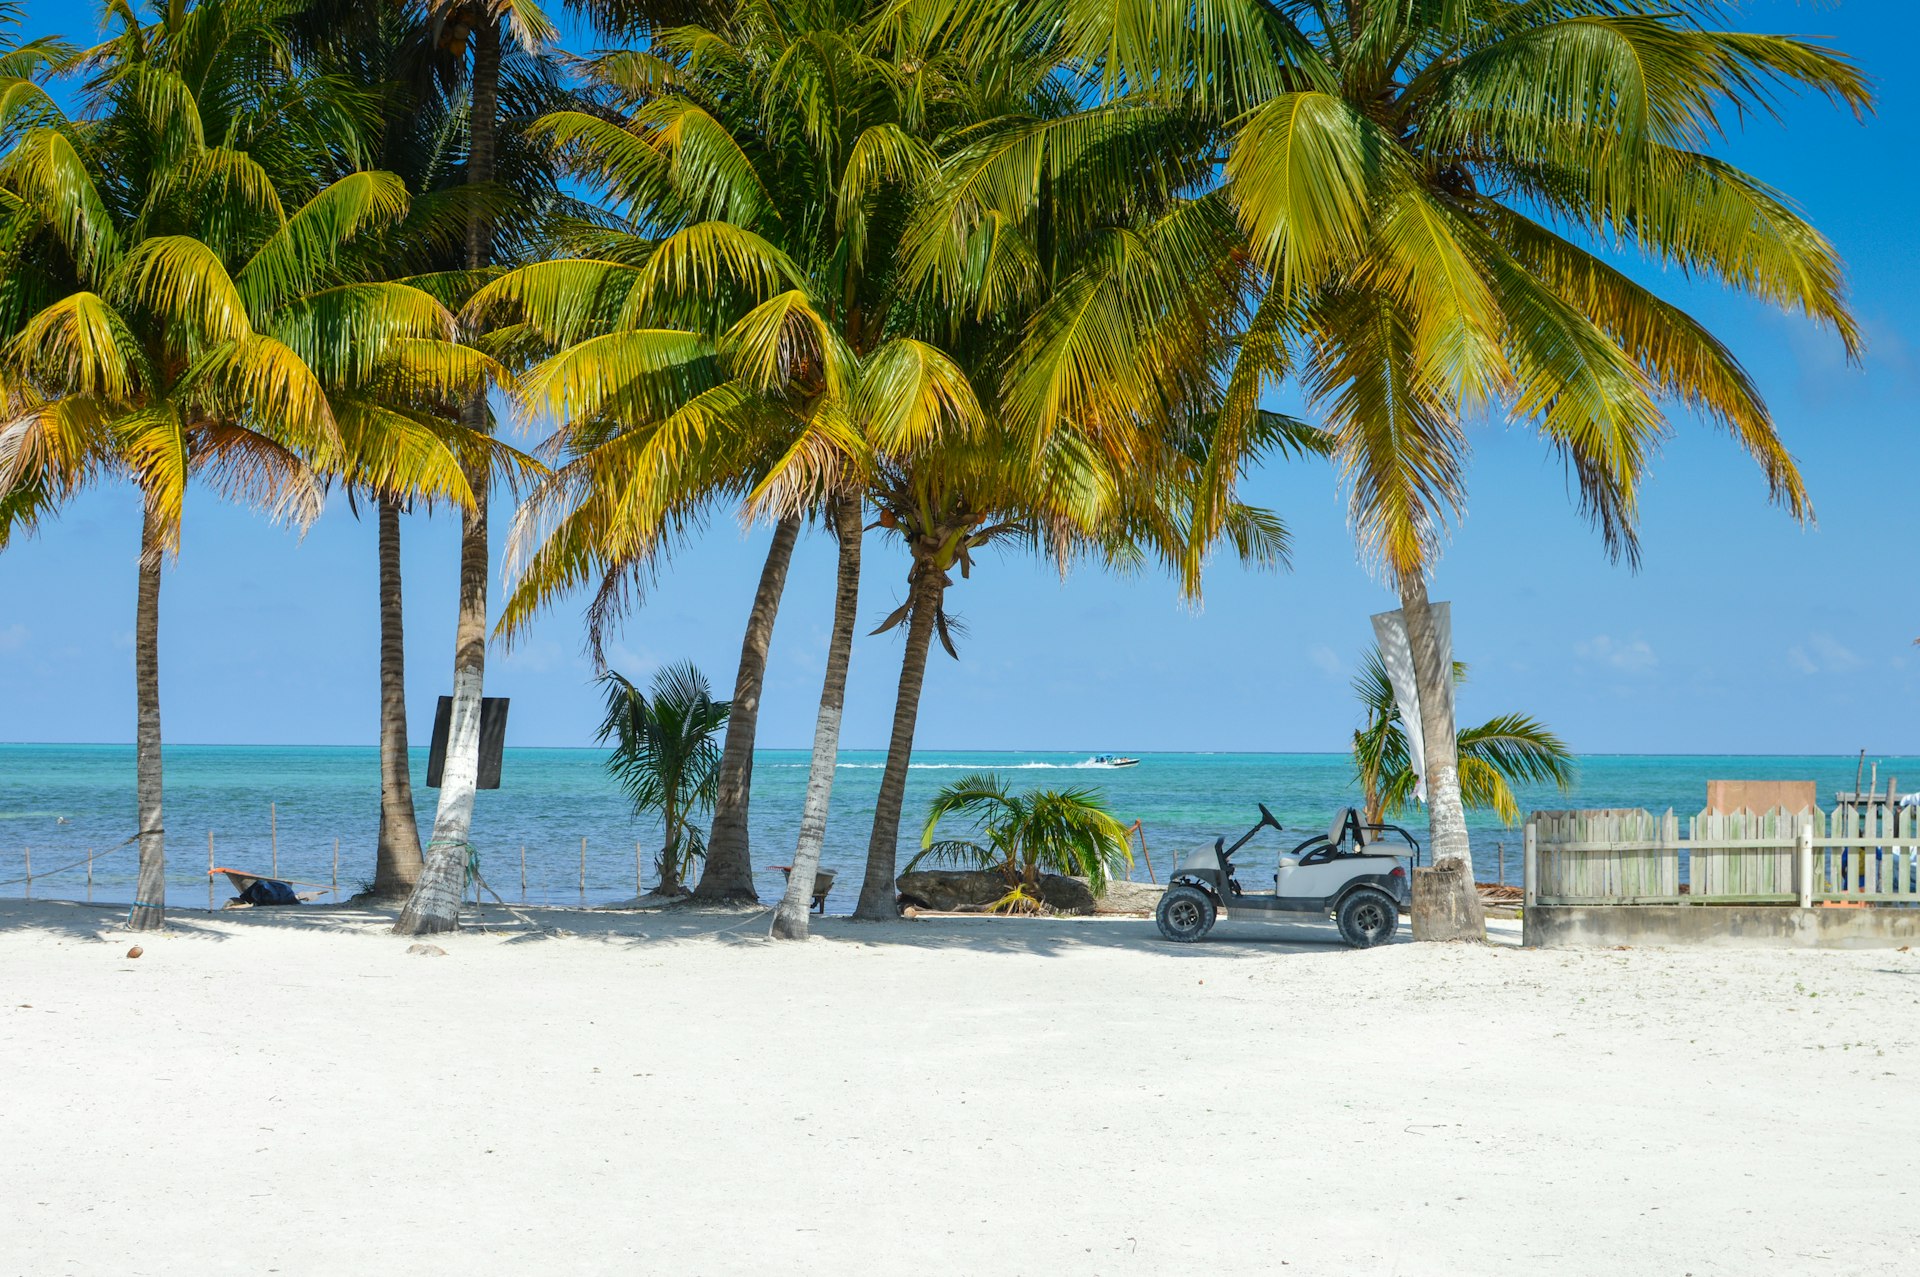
pixel 1743 632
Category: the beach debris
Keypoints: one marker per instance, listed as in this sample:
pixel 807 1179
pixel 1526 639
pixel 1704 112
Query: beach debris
pixel 427 950
pixel 135 952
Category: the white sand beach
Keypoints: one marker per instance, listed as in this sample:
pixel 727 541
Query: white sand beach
pixel 295 1093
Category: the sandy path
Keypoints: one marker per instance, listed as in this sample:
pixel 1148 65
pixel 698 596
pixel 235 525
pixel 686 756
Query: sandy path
pixel 268 1093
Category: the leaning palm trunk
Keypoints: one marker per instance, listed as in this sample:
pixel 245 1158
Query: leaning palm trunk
pixel 398 861
pixel 728 874
pixel 1446 814
pixel 150 893
pixel 876 891
pixel 790 919
pixel 435 903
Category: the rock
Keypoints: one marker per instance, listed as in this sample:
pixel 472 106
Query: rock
pixel 1129 897
pixel 135 952
pixel 972 890
pixel 427 950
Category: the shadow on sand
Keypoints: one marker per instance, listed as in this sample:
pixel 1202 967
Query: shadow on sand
pixel 533 924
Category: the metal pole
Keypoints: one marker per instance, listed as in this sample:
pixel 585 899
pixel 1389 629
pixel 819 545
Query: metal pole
pixel 1803 864
pixel 273 832
pixel 1530 866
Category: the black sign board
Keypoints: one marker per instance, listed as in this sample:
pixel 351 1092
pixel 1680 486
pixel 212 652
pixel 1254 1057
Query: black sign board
pixel 493 738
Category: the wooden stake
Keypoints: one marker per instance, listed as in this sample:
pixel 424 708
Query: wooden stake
pixel 639 873
pixel 336 871
pixel 523 873
pixel 583 871
pixel 89 875
pixel 209 871
pixel 1500 850
pixel 273 832
pixel 29 873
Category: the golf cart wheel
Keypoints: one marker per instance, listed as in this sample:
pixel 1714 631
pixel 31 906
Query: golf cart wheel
pixel 1185 914
pixel 1368 918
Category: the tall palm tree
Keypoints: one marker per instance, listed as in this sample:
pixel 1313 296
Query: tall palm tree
pixel 666 759
pixel 1500 753
pixel 791 916
pixel 1426 192
pixel 173 321
pixel 1073 257
pixel 407 54
pixel 475 29
pixel 728 339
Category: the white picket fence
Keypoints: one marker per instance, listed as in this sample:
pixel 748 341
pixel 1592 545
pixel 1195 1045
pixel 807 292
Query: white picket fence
pixel 1857 854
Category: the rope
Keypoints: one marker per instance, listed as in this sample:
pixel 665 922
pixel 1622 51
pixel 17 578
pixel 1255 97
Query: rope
pixel 48 873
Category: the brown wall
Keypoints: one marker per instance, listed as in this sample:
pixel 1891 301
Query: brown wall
pixel 1762 795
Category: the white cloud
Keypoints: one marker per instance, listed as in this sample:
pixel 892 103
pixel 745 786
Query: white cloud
pixel 13 637
pixel 540 656
pixel 1823 654
pixel 1327 661
pixel 1628 656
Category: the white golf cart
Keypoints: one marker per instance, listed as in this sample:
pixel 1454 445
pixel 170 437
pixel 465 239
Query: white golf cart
pixel 1346 874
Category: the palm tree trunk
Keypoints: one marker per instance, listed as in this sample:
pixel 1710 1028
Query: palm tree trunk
pixel 397 862
pixel 150 894
pixel 1446 814
pixel 790 919
pixel 670 853
pixel 877 891
pixel 728 874
pixel 434 905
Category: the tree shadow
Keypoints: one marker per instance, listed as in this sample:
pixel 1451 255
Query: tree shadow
pixel 684 925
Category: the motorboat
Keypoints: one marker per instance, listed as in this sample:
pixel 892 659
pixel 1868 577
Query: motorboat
pixel 1113 760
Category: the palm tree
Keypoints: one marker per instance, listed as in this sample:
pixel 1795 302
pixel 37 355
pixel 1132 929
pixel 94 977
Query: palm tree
pixel 1502 752
pixel 1427 191
pixel 1063 831
pixel 1071 257
pixel 173 322
pixel 666 759
pixel 424 110
pixel 790 917
pixel 727 339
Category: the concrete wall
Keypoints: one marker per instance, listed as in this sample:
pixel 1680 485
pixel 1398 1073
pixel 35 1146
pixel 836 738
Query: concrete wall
pixel 1726 926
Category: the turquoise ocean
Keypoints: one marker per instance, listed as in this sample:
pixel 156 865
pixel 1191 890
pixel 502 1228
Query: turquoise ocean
pixel 60 801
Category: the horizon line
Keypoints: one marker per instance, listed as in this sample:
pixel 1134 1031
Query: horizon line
pixel 803 749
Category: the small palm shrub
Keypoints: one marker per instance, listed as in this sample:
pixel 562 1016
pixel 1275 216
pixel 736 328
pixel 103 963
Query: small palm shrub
pixel 666 757
pixel 1061 831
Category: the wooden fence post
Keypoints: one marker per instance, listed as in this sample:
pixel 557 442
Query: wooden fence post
pixel 1529 866
pixel 1803 862
pixel 89 875
pixel 336 871
pixel 639 871
pixel 209 871
pixel 523 873
pixel 1500 851
pixel 583 871
pixel 29 873
pixel 273 833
